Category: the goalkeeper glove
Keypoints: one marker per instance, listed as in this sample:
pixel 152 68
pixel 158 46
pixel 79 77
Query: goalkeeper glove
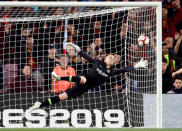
pixel 55 76
pixel 141 64
pixel 77 48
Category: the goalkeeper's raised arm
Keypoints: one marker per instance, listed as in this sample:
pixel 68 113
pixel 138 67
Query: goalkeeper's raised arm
pixel 81 53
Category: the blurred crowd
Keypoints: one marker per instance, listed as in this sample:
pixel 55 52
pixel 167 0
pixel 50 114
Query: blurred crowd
pixel 31 50
pixel 171 46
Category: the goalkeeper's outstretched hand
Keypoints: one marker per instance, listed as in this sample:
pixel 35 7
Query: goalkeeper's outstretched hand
pixel 77 48
pixel 141 64
pixel 55 76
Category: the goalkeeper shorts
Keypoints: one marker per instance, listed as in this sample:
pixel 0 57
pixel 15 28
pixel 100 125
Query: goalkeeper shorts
pixel 76 91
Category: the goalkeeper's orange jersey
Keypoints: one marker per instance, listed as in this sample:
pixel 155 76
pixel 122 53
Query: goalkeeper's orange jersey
pixel 61 86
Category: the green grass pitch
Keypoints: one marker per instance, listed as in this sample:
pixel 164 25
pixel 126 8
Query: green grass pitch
pixel 90 129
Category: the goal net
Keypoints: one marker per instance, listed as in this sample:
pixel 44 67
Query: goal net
pixel 32 45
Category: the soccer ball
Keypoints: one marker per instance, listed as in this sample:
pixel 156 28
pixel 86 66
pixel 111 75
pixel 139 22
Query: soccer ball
pixel 143 40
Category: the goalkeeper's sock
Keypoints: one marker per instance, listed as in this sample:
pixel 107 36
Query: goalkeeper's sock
pixel 71 78
pixel 50 101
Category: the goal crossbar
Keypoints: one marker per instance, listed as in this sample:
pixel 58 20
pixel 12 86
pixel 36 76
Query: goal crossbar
pixel 80 4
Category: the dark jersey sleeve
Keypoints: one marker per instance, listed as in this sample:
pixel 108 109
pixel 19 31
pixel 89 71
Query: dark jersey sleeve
pixel 84 55
pixel 122 70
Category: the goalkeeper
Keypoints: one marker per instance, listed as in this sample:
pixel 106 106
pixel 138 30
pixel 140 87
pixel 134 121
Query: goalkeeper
pixel 100 72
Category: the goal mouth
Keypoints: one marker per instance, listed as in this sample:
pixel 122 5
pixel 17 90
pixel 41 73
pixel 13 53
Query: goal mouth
pixel 34 35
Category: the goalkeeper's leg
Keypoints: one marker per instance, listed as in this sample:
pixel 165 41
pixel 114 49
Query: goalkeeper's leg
pixel 48 102
pixel 70 93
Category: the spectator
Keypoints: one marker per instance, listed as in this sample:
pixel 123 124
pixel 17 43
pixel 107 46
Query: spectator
pixel 120 42
pixel 74 11
pixel 57 33
pixel 147 27
pixel 24 82
pixel 178 46
pixel 177 86
pixel 32 52
pixel 8 33
pixel 168 53
pixel 123 30
pixel 168 26
pixel 44 36
pixel 177 11
pixel 29 52
pixel 97 29
pixel 72 33
pixel 177 73
pixel 169 42
pixel 95 49
pixel 47 64
pixel 63 70
pixel 117 59
pixel 94 30
pixel 58 11
pixel 166 77
pixel 121 36
pixel 25 33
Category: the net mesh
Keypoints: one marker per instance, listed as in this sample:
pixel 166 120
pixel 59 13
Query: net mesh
pixel 32 39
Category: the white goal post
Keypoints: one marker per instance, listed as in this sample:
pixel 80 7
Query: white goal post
pixel 139 104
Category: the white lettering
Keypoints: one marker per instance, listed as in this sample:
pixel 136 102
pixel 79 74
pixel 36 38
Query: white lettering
pixel 40 118
pixel 101 72
pixel 117 118
pixel 80 118
pixel 11 118
pixel 54 118
pixel 87 118
pixel 98 118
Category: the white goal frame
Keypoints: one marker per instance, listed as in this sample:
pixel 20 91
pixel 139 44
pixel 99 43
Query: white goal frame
pixel 158 6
